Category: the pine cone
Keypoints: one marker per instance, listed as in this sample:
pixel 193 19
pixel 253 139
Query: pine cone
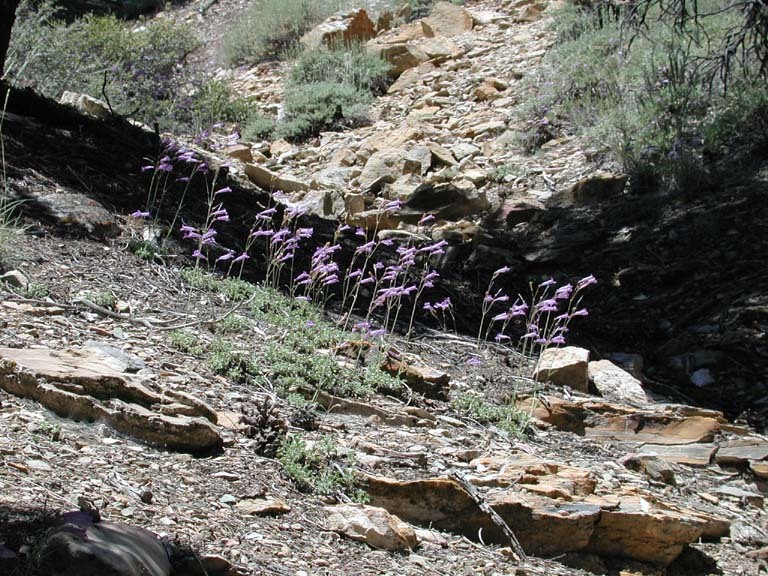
pixel 265 426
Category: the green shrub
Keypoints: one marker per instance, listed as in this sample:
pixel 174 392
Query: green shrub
pixel 311 108
pixel 258 127
pixel 146 77
pixel 330 89
pixel 268 28
pixel 653 103
pixel 318 468
pixel 349 65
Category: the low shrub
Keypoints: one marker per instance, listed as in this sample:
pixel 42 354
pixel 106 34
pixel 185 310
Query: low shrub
pixel 268 28
pixel 654 101
pixel 141 70
pixel 330 89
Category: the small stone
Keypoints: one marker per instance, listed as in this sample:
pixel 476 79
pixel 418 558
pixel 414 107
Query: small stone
pixel 263 507
pixel 228 499
pixel 15 278
pixel 372 525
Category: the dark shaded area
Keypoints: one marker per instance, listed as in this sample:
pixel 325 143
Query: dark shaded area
pixel 21 529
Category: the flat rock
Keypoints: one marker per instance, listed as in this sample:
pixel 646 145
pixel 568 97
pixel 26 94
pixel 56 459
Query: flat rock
pixel 616 384
pixel 652 466
pixel 597 188
pixel 402 56
pixel 374 526
pixel 270 181
pixel 384 166
pixel 79 546
pixel 565 367
pixel 698 455
pixel 741 452
pixel 263 507
pixel 81 384
pixel 630 524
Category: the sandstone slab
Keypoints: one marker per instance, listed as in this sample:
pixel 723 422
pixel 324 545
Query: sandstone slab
pixel 268 180
pixel 80 384
pixel 447 19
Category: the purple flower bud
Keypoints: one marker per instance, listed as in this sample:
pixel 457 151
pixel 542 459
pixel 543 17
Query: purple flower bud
pixel 259 233
pixel 547 283
pixel 378 332
pixel 359 232
pixel 147 168
pixel 393 206
pixel 426 219
pixel 586 281
pixel 241 258
pixel 226 190
pixel 581 312
pixel 558 340
pixel 140 214
pixel 502 270
pixel 501 337
pixel 564 292
pixel 225 257
pixel 199 255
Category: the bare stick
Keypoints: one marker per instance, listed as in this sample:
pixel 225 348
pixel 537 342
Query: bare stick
pixel 492 514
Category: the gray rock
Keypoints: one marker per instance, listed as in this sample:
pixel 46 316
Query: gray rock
pixel 82 547
pixel 616 384
pixel 15 278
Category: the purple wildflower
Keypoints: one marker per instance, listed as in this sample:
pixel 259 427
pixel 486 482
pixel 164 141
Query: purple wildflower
pixel 140 214
pixel 198 255
pixel 586 281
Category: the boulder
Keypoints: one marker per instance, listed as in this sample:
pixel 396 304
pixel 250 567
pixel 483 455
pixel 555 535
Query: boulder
pixel 383 167
pixel 343 28
pixel 239 152
pixel 447 19
pixel 374 526
pixel 80 546
pixel 616 384
pixel 564 366
pixel 402 56
pixel 15 278
pixel 652 466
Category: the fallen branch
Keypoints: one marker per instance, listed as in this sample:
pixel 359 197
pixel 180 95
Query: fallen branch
pixel 492 514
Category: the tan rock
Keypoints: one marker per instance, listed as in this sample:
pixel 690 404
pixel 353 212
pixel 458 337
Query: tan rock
pixel 280 147
pixel 343 157
pixel 759 469
pixel 80 384
pixel 441 155
pixel 447 19
pixel 15 278
pixel 419 377
pixel 374 526
pixel 382 167
pixel 263 507
pixel 270 181
pixel 401 56
pixel 615 384
pixel 86 104
pixel 486 92
pixel 597 188
pixel 354 203
pixel 411 77
pixel 344 28
pixel 651 429
pixel 635 527
pixel 239 152
pixel 698 455
pixel 439 49
pixel 564 366
pixel 530 13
